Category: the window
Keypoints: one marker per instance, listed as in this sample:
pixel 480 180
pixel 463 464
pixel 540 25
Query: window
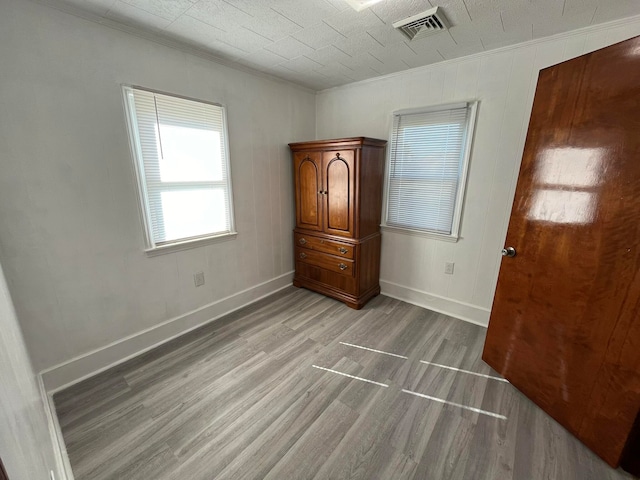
pixel 427 169
pixel 182 163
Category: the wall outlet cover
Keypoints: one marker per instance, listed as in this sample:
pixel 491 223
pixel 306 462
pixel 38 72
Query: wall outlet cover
pixel 198 279
pixel 448 268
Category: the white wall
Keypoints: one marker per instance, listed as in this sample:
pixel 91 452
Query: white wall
pixel 26 448
pixel 504 82
pixel 70 233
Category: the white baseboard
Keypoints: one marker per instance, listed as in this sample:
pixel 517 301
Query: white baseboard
pixel 91 363
pixel 63 466
pixel 464 311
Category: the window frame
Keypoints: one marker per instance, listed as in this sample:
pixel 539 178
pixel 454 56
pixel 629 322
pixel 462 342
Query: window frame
pixel 454 236
pixel 151 247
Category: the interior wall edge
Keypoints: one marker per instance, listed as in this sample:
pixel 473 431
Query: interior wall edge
pixel 84 366
pixel 448 306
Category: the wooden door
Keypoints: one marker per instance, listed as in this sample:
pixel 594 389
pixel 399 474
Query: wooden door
pixel 308 189
pixel 565 323
pixel 339 192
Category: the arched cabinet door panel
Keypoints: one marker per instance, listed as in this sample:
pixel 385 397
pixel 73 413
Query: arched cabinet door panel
pixel 308 188
pixel 339 207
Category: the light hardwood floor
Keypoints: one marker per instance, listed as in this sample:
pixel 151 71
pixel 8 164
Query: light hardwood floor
pixel 243 398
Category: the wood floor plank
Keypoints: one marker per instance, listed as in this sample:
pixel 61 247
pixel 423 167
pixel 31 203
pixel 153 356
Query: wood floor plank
pixel 240 399
pixel 448 442
pixel 304 458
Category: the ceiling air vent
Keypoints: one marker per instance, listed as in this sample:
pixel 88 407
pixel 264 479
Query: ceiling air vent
pixel 424 24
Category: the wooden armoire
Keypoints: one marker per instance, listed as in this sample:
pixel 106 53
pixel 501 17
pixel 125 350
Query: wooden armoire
pixel 338 195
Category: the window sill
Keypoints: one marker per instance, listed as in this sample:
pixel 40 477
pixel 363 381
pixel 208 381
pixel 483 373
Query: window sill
pixel 178 246
pixel 419 233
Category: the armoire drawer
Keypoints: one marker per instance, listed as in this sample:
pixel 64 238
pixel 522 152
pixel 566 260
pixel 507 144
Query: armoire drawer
pixel 329 262
pixel 323 245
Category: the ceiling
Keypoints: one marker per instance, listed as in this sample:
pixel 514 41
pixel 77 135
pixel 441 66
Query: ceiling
pixel 325 43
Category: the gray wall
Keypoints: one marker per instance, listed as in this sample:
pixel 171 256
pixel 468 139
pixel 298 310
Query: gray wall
pixel 71 236
pixel 25 444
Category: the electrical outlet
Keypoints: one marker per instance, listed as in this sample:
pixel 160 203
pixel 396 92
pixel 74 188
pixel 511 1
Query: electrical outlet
pixel 448 268
pixel 198 279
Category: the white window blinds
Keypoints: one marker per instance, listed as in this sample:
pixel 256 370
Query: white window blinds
pixel 181 151
pixel 429 152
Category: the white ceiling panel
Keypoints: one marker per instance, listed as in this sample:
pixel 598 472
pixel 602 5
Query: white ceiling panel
pixel 130 15
pixel 272 25
pixel 169 9
pixel 304 13
pixel 457 12
pixel 217 13
pixel 466 34
pixel 325 43
pixel 201 33
pixel 334 69
pixel 289 48
pixel 616 9
pixel 318 36
pixel 386 35
pixel 400 51
pixel 500 38
pixel 390 11
pixel 357 44
pixel 339 5
pixel 301 65
pixel 349 21
pixel 245 40
pixel 262 58
pixel 563 23
pixel 326 55
pixel 362 62
pixel 362 74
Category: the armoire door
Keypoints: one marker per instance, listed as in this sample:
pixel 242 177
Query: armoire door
pixel 339 192
pixel 565 322
pixel 308 189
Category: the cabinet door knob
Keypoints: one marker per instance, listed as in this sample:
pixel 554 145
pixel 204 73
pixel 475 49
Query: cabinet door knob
pixel 342 266
pixel 343 250
pixel 303 255
pixel 302 241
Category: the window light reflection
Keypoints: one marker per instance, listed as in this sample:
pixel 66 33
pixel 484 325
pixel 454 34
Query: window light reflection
pixel 563 206
pixel 571 167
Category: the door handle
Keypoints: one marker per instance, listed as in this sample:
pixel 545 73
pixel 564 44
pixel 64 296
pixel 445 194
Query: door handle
pixel 509 252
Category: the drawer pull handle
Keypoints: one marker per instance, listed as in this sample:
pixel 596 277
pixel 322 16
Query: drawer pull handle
pixel 343 250
pixel 303 255
pixel 302 241
pixel 342 266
